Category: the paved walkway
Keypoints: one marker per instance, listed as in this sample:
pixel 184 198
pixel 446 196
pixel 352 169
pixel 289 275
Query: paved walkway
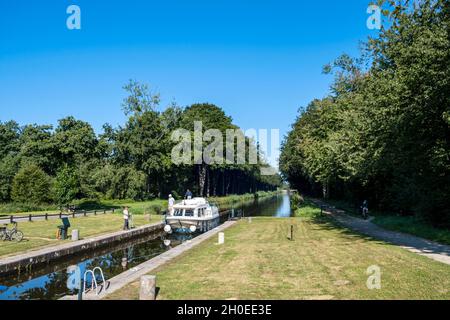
pixel 430 249
pixel 136 273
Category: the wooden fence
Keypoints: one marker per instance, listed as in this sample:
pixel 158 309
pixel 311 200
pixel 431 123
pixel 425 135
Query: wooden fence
pixel 47 216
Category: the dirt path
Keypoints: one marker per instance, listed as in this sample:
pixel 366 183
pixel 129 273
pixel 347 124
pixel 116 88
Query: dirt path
pixel 430 249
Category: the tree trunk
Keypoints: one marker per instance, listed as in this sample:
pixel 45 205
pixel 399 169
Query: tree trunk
pixel 202 179
pixel 208 182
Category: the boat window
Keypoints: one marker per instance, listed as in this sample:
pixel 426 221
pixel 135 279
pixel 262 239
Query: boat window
pixel 178 213
pixel 189 213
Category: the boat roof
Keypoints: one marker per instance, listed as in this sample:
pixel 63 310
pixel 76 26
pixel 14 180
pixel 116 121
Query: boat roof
pixel 192 203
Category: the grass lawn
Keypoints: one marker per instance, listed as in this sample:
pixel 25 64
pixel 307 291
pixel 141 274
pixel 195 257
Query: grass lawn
pixel 39 234
pixel 324 261
pixel 408 224
pixel 414 226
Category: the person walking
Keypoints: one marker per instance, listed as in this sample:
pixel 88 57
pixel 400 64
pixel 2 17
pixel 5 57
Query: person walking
pixel 171 204
pixel 126 217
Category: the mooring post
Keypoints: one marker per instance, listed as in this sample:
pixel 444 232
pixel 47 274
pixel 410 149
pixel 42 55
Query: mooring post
pixel 30 218
pixel 148 288
pixel 221 238
pixel 292 232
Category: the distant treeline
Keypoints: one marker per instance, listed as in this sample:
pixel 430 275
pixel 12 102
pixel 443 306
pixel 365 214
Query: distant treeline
pixel 41 164
pixel 383 134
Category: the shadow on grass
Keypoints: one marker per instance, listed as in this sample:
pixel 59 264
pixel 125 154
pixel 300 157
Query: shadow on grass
pixel 368 231
pixel 96 205
pixel 330 224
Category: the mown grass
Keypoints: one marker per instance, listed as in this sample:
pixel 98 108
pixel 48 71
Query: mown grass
pixel 324 261
pixel 406 224
pixel 414 226
pixel 40 234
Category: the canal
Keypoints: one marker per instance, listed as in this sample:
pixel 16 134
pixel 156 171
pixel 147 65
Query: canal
pixel 54 280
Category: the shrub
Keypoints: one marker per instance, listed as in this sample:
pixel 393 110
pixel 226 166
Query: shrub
pixel 296 201
pixel 31 185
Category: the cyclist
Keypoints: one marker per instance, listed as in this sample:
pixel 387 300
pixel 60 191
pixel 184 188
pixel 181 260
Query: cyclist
pixel 365 209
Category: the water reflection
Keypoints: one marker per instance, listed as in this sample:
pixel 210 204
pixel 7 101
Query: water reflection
pixel 278 206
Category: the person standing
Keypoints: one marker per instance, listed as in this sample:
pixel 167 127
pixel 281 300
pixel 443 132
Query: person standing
pixel 188 194
pixel 171 204
pixel 126 217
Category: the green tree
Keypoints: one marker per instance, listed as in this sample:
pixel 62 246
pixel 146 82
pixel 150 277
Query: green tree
pixel 31 185
pixel 66 186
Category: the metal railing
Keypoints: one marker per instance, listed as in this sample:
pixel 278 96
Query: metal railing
pixel 94 283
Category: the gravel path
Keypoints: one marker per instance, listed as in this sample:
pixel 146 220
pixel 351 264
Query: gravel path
pixel 430 249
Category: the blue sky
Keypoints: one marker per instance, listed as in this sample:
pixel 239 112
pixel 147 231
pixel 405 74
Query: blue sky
pixel 259 60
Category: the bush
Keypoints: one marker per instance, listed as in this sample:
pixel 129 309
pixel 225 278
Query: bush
pixel 154 209
pixel 31 185
pixel 296 201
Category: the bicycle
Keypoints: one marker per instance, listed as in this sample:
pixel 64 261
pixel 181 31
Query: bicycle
pixel 11 234
pixel 365 213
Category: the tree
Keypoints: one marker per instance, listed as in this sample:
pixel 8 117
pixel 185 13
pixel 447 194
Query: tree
pixel 75 141
pixel 383 133
pixel 67 185
pixel 31 185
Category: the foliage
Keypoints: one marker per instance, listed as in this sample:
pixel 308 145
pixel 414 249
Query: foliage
pixel 66 186
pixel 133 161
pixel 31 185
pixel 383 134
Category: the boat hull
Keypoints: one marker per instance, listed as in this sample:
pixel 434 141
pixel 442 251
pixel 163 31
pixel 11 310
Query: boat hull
pixel 183 225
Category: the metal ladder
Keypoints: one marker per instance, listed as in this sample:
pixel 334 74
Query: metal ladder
pixel 94 284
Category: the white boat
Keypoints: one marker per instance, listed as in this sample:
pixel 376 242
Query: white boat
pixel 192 215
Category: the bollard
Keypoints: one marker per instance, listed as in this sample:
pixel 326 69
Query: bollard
pixel 292 233
pixel 221 238
pixel 148 288
pixel 75 235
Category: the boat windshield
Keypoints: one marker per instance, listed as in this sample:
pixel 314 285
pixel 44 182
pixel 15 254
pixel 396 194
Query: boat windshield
pixel 189 213
pixel 178 213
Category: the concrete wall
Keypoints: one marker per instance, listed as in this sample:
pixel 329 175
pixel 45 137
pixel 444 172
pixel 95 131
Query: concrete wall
pixel 34 258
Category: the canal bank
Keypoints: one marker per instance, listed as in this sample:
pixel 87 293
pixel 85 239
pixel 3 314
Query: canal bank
pixel 35 258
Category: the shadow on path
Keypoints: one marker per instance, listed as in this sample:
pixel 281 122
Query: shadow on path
pixel 371 231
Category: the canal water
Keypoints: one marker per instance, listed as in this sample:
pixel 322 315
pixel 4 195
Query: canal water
pixel 53 281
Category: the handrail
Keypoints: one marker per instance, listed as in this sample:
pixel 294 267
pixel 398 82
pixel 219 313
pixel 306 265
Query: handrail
pixel 93 281
pixel 103 276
